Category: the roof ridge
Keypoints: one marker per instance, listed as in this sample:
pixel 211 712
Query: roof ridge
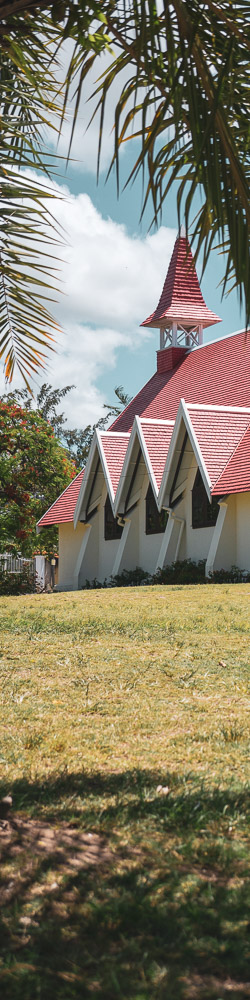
pixel 116 433
pixel 217 340
pixel 155 420
pixel 222 407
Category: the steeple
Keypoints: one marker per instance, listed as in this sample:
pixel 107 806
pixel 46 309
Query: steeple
pixel 181 314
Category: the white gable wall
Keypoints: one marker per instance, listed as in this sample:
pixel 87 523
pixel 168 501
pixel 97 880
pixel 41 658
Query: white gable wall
pixel 149 545
pixel 198 540
pixel 107 550
pixel 231 543
pixel 194 542
pixel 88 569
pixel 69 545
pixel 242 504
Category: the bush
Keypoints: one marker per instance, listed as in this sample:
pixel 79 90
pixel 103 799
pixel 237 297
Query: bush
pixel 233 575
pixel 184 571
pixel 17 583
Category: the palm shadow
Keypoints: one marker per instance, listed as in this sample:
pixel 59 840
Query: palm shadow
pixel 122 885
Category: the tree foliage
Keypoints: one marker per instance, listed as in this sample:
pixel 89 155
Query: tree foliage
pixel 39 455
pixel 76 440
pixel 34 470
pixel 185 98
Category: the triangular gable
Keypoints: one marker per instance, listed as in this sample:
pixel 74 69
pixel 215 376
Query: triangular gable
pixel 235 478
pixel 213 432
pixel 218 431
pixel 62 510
pixel 106 456
pixel 156 436
pixel 150 439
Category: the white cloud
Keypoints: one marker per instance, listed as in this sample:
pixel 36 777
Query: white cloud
pixel 110 283
pixel 110 277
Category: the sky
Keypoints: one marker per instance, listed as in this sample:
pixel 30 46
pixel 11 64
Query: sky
pixel 111 275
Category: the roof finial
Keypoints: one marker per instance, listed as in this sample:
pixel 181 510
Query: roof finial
pixel 182 233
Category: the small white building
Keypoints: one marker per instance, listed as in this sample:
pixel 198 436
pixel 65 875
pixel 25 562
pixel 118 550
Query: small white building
pixel 171 478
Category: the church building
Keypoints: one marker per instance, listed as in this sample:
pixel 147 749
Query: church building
pixel 170 479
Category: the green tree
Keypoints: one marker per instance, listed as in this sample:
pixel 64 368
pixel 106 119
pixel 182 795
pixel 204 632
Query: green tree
pixel 186 98
pixel 34 470
pixel 75 440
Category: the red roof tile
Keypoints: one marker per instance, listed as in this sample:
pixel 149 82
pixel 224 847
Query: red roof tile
pixel 181 298
pixel 215 373
pixel 114 448
pixel 157 437
pixel 62 511
pixel 218 433
pixel 236 476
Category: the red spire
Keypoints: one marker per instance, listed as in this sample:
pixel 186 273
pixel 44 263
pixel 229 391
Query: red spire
pixel 181 299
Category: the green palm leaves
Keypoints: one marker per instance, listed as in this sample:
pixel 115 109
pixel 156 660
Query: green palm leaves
pixel 186 98
pixel 27 94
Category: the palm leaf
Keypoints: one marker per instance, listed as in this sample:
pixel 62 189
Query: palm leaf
pixel 28 232
pixel 190 67
pixel 186 99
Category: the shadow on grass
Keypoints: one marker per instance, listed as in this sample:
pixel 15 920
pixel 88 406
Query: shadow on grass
pixel 115 887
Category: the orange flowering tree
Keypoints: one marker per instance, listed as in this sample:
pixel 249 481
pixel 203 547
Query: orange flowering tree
pixel 34 470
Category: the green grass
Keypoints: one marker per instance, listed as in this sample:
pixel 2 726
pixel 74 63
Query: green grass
pixel 125 716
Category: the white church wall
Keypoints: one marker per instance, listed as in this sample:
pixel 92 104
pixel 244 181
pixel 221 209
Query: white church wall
pixel 69 542
pixel 129 545
pixel 172 546
pixel 149 545
pixel 107 549
pixel 184 541
pixel 242 506
pixel 90 561
pixel 223 552
pixel 198 540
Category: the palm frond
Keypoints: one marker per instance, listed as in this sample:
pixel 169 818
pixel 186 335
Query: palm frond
pixel 28 234
pixel 187 99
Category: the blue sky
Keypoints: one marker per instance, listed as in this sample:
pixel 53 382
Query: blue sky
pixel 112 273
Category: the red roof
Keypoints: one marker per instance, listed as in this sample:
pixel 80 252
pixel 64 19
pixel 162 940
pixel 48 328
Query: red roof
pixel 236 475
pixel 181 298
pixel 218 433
pixel 157 436
pixel 218 372
pixel 62 511
pixel 114 448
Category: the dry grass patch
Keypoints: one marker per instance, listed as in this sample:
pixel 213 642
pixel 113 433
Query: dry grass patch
pixel 125 726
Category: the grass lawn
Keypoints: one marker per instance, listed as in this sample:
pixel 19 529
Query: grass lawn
pixel 124 726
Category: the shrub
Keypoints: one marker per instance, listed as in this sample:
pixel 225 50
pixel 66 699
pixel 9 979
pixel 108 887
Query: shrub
pixel 22 582
pixel 183 571
pixel 131 578
pixel 233 575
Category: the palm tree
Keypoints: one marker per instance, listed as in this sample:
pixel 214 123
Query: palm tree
pixel 186 98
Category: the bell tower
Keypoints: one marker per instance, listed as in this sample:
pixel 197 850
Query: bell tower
pixel 181 314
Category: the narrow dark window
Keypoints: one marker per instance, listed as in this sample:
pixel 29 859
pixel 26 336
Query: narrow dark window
pixel 204 514
pixel 112 529
pixel 155 520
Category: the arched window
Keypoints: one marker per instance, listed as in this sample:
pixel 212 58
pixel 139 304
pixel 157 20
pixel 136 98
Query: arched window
pixel 155 520
pixel 112 529
pixel 204 513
